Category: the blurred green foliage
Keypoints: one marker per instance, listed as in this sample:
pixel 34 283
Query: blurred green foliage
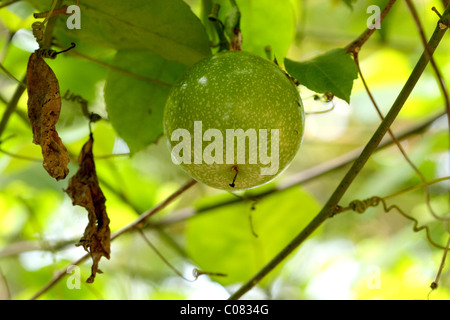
pixel 371 256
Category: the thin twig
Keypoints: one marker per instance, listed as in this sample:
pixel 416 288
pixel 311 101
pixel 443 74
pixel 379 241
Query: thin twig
pixel 357 166
pixel 58 277
pixel 439 76
pixel 356 45
pixel 5 294
pixel 399 145
pixel 138 224
pixel 9 74
pixel 435 283
pixel 160 255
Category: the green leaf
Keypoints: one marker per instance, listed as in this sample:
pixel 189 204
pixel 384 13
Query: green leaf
pixel 135 100
pixel 333 72
pixel 264 23
pixel 221 240
pixel 268 23
pixel 166 27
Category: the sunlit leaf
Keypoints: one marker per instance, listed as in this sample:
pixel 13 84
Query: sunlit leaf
pixel 265 23
pixel 222 240
pixel 135 101
pixel 167 27
pixel 332 72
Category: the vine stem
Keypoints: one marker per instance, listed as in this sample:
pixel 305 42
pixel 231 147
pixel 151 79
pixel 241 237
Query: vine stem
pixel 357 166
pixel 440 78
pixel 399 145
pixel 441 266
pixel 139 223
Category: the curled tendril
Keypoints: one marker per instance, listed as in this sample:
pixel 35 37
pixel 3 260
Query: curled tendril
pixel 326 98
pixel 360 206
pixel 51 54
pixel 38 29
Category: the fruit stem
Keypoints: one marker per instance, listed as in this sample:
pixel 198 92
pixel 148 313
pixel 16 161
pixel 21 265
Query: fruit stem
pixel 220 28
pixel 235 168
pixel 233 27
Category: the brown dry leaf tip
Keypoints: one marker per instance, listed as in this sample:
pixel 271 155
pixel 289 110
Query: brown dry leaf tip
pixel 85 191
pixel 44 107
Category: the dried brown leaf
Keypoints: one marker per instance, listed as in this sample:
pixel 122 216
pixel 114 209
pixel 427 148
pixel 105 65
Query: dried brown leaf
pixel 85 191
pixel 44 107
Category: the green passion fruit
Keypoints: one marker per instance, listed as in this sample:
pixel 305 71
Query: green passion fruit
pixel 234 121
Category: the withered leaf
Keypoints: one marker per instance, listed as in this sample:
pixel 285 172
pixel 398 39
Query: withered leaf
pixel 85 191
pixel 44 107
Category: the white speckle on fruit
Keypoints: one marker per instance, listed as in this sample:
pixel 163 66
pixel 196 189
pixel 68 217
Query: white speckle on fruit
pixel 203 80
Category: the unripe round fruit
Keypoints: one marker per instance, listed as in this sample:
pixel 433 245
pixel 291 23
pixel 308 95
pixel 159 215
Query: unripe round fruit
pixel 226 92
